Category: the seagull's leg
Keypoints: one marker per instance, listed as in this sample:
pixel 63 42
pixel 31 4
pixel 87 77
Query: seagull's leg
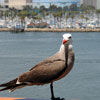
pixel 52 94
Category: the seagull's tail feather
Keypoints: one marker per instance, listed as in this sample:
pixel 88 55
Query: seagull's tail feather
pixel 11 85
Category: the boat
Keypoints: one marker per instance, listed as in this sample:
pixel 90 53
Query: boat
pixel 17 28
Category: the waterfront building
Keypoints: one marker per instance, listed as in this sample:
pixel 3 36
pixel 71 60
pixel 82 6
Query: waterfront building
pixel 94 3
pixel 18 4
pixel 98 4
pixel 1 3
pixel 81 2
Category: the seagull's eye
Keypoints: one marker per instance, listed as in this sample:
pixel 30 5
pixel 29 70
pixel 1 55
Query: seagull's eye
pixel 70 37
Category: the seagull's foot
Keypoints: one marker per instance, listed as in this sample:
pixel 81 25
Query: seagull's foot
pixel 58 98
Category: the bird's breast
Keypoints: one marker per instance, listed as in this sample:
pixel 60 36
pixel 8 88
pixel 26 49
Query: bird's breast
pixel 67 70
pixel 65 73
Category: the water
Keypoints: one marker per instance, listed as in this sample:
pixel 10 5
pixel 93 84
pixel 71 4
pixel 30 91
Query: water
pixel 19 52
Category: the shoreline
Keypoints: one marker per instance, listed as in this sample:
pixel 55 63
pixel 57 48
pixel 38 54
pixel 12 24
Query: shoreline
pixel 53 30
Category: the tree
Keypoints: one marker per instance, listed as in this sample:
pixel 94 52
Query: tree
pixel 67 16
pixel 27 8
pixel 90 7
pixel 72 17
pixel 82 16
pixel 65 8
pixel 59 9
pixel 98 14
pixel 86 18
pixel 38 17
pixel 22 16
pixel 1 13
pixel 13 12
pixel 34 14
pixel 42 9
pixel 6 14
pixel 73 7
pixel 53 8
pixel 98 11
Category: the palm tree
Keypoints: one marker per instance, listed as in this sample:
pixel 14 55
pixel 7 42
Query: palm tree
pixel 42 9
pixel 22 16
pixel 13 13
pixel 6 14
pixel 67 16
pixel 1 14
pixel 82 16
pixel 34 14
pixel 98 14
pixel 86 18
pixel 27 8
pixel 72 17
pixel 53 8
pixel 38 17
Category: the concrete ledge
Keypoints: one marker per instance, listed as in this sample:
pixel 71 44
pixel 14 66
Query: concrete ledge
pixel 6 98
pixel 11 98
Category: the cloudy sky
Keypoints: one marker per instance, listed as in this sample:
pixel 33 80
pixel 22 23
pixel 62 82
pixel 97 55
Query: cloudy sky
pixel 49 0
pixel 53 0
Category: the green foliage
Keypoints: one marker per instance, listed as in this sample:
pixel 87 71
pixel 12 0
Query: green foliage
pixel 73 15
pixel 86 18
pixel 37 13
pixel 53 8
pixel 73 7
pixel 27 8
pixel 23 14
pixel 82 16
pixel 42 9
pixel 57 14
pixel 34 14
pixel 6 13
pixel 98 10
pixel 38 17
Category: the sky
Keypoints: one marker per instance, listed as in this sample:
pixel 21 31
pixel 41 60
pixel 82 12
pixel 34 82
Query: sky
pixel 1 0
pixel 49 0
pixel 54 0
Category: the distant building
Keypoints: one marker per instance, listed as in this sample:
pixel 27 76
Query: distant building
pixel 81 2
pixel 98 4
pixel 94 3
pixel 18 4
pixel 1 3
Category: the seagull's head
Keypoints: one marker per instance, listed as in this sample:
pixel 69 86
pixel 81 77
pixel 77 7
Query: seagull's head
pixel 67 38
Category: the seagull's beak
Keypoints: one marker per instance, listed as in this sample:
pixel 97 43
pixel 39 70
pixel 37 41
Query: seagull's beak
pixel 64 41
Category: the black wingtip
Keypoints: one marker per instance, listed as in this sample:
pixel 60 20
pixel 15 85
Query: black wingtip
pixel 11 83
pixel 3 89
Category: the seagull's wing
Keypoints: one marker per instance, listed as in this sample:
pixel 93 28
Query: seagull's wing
pixel 44 72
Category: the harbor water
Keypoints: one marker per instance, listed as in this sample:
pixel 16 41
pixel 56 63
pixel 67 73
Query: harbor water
pixel 19 52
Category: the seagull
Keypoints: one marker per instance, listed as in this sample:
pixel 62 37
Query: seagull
pixel 47 71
